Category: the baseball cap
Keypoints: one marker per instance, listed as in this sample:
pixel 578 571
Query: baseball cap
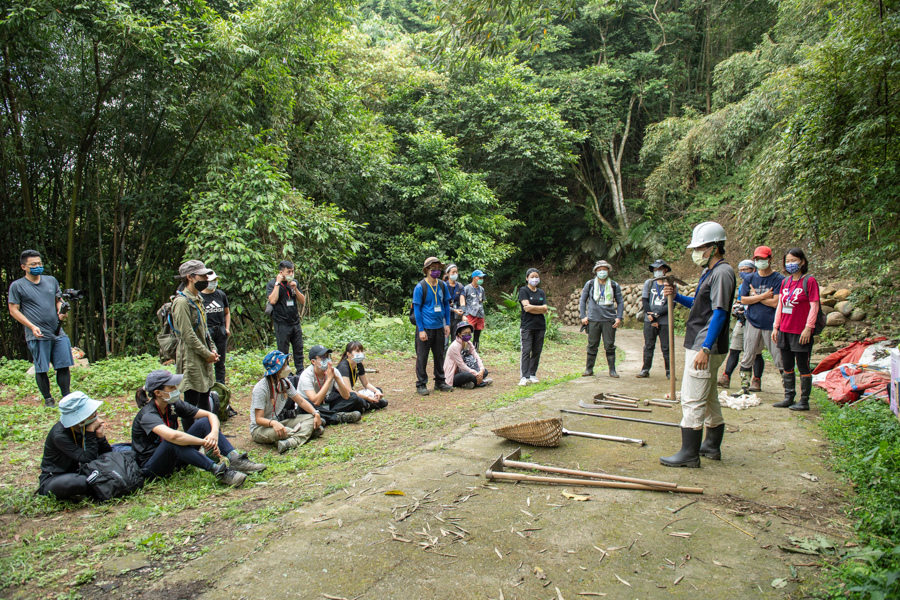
pixel 159 379
pixel 212 276
pixel 762 252
pixel 477 273
pixel 193 267
pixel 318 350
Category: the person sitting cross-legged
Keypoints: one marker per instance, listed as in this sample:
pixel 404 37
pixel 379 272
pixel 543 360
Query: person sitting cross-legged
pixel 319 381
pixel 279 414
pixel 352 370
pixel 463 367
pixel 162 449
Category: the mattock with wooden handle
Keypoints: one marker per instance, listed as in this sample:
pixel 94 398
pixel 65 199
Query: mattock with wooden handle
pixel 671 280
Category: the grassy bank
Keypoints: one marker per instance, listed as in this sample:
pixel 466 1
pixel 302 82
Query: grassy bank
pixel 865 448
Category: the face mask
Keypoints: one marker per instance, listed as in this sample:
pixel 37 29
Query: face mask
pixel 284 372
pixel 744 276
pixel 323 364
pixel 466 337
pixel 200 285
pixel 88 421
pixel 762 265
pixel 602 274
pixel 289 278
pixel 699 259
pixel 173 397
pixel 435 273
pixel 359 357
pixel 659 273
pixel 792 267
pixel 454 277
pixel 212 285
pixel 534 281
pixel 36 270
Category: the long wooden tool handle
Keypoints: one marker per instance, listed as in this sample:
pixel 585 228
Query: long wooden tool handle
pixel 527 465
pixel 618 418
pixel 587 482
pixel 672 369
pixel 608 438
pixel 617 403
pixel 628 408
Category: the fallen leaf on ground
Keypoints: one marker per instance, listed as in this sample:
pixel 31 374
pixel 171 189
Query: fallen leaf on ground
pixel 779 583
pixel 718 564
pixel 809 476
pixel 575 497
pixel 539 573
pixel 394 493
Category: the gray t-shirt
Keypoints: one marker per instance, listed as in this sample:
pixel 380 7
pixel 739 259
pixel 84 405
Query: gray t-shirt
pixel 262 398
pixel 653 292
pixel 474 300
pixel 716 290
pixel 308 382
pixel 37 301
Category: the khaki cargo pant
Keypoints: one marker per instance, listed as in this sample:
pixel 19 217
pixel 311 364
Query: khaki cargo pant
pixel 700 394
pixel 300 428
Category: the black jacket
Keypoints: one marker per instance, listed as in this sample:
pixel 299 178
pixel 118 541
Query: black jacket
pixel 66 449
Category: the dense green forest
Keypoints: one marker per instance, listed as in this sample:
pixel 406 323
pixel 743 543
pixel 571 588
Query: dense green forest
pixel 358 139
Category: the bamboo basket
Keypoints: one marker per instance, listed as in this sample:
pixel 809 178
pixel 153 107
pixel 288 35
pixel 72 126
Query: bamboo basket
pixel 545 432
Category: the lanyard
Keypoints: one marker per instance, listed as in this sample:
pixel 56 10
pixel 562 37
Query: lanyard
pixel 322 382
pixel 708 271
pixel 75 440
pixel 165 417
pixel 786 297
pixel 433 290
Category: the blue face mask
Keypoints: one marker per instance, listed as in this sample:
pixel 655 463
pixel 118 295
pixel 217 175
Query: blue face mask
pixel 792 267
pixel 36 270
pixel 744 276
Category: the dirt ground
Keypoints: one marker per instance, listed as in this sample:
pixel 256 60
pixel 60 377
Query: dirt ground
pixel 453 534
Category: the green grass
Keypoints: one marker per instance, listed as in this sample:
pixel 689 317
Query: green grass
pixel 866 450
pixel 525 391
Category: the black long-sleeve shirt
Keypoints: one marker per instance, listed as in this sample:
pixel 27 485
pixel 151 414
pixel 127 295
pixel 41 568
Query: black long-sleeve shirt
pixel 66 449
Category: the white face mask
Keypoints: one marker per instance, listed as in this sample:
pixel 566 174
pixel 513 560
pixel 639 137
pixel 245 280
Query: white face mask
pixel 699 259
pixel 88 421
pixel 173 397
pixel 601 274
pixel 359 357
pixel 212 285
pixel 454 277
pixel 534 281
pixel 659 273
pixel 761 265
pixel 323 363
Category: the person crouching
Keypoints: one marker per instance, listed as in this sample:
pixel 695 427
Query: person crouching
pixel 463 367
pixel 162 449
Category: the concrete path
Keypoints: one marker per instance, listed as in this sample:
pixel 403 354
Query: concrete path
pixel 455 535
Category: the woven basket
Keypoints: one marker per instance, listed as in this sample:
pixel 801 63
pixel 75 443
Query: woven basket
pixel 545 432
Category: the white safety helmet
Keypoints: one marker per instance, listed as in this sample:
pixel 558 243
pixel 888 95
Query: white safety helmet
pixel 707 233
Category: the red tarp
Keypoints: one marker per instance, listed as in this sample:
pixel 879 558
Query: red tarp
pixel 850 354
pixel 846 384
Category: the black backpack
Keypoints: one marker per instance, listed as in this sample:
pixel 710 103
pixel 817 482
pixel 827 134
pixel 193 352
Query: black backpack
pixel 112 475
pixel 820 319
pixel 412 312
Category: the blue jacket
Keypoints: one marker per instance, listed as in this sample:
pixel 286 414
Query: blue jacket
pixel 423 306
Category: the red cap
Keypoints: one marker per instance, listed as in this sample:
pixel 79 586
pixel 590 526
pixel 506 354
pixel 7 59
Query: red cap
pixel 762 252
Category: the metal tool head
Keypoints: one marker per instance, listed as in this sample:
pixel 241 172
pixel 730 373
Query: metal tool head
pixel 497 466
pixel 671 280
pixel 516 455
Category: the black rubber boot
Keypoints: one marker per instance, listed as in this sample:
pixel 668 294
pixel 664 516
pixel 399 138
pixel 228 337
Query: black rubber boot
pixel 611 361
pixel 666 361
pixel 805 391
pixel 589 366
pixel 689 455
pixel 645 372
pixel 789 382
pixel 712 445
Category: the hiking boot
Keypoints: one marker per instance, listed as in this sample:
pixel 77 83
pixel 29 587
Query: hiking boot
pixel 745 385
pixel 348 417
pixel 712 445
pixel 288 444
pixel 805 391
pixel 724 381
pixel 788 381
pixel 468 385
pixel 245 465
pixel 317 432
pixel 486 382
pixel 49 403
pixel 755 385
pixel 229 476
pixel 689 455
pixel 422 390
pixel 443 387
pixel 643 374
pixel 231 412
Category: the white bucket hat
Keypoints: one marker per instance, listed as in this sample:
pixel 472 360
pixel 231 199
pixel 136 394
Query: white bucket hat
pixel 76 407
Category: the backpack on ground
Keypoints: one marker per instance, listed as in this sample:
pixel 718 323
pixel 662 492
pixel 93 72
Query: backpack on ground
pixel 113 475
pixel 820 318
pixel 219 401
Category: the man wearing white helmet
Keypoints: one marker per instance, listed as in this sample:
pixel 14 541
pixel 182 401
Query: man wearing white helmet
pixel 706 344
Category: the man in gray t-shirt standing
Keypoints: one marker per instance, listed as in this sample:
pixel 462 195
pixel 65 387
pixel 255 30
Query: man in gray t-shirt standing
pixel 33 303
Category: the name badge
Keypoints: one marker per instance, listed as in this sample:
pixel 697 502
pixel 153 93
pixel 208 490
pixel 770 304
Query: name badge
pixel 437 308
pixel 290 302
pixel 786 310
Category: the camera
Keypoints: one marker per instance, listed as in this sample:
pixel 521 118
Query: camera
pixel 66 296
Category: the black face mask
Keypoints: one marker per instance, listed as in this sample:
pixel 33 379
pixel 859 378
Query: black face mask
pixel 200 285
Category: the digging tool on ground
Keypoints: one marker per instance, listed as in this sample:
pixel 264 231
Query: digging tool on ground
pixel 616 417
pixel 495 472
pixel 600 436
pixel 655 403
pixel 512 461
pixel 619 407
pixel 617 403
pixel 611 397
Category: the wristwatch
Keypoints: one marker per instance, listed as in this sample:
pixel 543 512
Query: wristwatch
pixel 705 350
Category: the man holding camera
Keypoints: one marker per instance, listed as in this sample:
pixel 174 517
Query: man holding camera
pixel 284 298
pixel 34 302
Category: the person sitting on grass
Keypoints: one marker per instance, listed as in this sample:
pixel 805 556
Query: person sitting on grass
pixel 274 414
pixel 161 449
pixel 318 382
pixel 351 369
pixel 76 439
pixel 463 367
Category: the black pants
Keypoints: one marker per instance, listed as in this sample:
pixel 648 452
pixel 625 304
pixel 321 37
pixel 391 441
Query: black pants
pixel 68 486
pixel 220 339
pixel 650 335
pixel 792 351
pixel 170 457
pixel 290 337
pixel 461 379
pixel 596 331
pixel 734 359
pixel 435 345
pixel 198 399
pixel 532 346
pixel 63 380
pixel 354 402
